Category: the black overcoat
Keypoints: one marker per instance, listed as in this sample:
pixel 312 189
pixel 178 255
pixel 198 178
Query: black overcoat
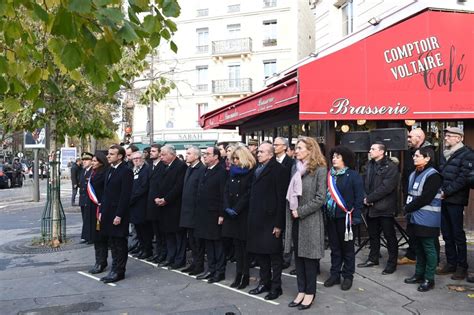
pixel 116 201
pixel 267 209
pixel 236 196
pixel 288 162
pixel 152 211
pixel 188 202
pixel 139 198
pixel 75 174
pixel 170 188
pixel 90 215
pixel 83 178
pixel 209 205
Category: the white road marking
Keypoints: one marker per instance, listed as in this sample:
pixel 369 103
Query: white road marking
pixel 95 278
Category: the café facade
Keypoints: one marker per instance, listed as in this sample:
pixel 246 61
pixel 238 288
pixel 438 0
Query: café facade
pixel 415 72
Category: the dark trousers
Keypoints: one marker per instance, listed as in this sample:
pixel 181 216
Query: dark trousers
pixel 215 257
pixel 342 252
pixel 411 250
pixel 132 237
pixel 241 257
pixel 426 257
pixel 119 249
pixel 176 248
pixel 142 229
pixel 306 268
pixel 74 194
pixel 271 266
pixel 287 256
pixel 197 250
pixel 452 218
pixel 101 248
pixel 152 229
pixel 387 225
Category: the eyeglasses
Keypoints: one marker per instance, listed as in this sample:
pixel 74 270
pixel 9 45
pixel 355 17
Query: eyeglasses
pixel 451 136
pixel 235 158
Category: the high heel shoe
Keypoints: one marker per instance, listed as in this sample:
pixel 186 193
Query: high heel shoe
pixel 295 304
pixel 305 307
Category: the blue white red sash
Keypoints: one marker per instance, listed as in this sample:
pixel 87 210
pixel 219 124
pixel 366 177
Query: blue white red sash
pixel 336 195
pixel 93 198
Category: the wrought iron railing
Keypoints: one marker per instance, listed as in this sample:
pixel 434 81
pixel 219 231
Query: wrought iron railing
pixel 232 46
pixel 231 86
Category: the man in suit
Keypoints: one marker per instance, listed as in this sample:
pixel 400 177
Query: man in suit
pixel 209 215
pixel 115 212
pixel 266 220
pixel 168 200
pixel 152 211
pixel 188 209
pixel 138 202
pixel 75 179
pixel 83 179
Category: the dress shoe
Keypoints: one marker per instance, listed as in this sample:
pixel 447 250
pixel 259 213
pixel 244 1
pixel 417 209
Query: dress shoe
pixel 426 285
pixel 135 250
pixel 204 276
pixel 405 261
pixel 445 269
pixel 188 269
pixel 97 269
pixel 414 279
pixel 165 264
pixel 196 272
pixel 346 284
pixel 259 289
pixel 144 255
pixel 470 278
pixel 332 281
pixel 285 265
pixel 293 272
pixel 176 266
pixel 83 241
pixel 367 263
pixel 244 283
pixel 237 281
pixel 460 274
pixel 295 304
pixel 112 277
pixel 388 271
pixel 152 258
pixel 216 278
pixel 274 294
pixel 306 306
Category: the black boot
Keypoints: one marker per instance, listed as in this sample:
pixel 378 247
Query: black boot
pixel 244 283
pixel 238 279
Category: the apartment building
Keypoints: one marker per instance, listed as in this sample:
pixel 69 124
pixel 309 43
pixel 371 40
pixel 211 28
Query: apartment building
pixel 226 50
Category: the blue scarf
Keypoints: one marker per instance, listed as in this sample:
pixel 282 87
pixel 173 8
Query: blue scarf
pixel 331 204
pixel 237 170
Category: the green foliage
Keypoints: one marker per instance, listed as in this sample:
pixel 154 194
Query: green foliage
pixel 70 57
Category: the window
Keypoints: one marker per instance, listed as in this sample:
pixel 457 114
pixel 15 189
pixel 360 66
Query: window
pixel 202 109
pixel 202 40
pixel 347 20
pixel 233 8
pixel 269 68
pixel 202 83
pixel 233 30
pixel 269 3
pixel 202 12
pixel 234 76
pixel 270 33
pixel 170 120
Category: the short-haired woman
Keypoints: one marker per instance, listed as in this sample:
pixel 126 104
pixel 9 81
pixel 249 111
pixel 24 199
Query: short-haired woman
pixel 345 196
pixel 306 197
pixel 236 205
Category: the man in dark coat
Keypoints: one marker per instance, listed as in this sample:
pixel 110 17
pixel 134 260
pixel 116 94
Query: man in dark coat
pixel 168 200
pixel 75 179
pixel 188 209
pixel 83 199
pixel 138 203
pixel 209 215
pixel 455 195
pixel 266 220
pixel 152 211
pixel 115 212
pixel 381 182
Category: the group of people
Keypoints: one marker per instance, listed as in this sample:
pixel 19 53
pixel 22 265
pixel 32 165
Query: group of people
pixel 273 206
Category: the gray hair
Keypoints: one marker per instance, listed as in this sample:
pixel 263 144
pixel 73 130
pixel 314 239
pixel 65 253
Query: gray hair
pixel 169 148
pixel 196 150
pixel 137 154
pixel 284 140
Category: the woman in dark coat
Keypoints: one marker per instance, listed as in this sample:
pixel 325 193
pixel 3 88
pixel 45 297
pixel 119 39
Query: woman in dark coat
pixel 344 202
pixel 236 205
pixel 97 178
pixel 423 210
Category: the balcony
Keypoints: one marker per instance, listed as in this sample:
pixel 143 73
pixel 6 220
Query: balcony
pixel 232 47
pixel 232 87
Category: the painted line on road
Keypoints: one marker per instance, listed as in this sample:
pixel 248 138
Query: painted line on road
pixel 1 207
pixel 218 284
pixel 95 278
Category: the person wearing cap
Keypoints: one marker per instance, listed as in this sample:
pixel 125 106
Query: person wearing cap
pixel 252 144
pixel 83 179
pixel 75 179
pixel 455 196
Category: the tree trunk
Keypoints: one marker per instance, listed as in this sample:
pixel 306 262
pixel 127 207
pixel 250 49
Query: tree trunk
pixel 56 236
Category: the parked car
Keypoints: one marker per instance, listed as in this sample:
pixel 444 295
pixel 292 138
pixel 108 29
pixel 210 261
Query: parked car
pixel 5 181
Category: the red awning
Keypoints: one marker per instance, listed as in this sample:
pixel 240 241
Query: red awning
pixel 229 116
pixel 420 68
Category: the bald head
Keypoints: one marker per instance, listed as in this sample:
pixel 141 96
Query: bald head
pixel 415 138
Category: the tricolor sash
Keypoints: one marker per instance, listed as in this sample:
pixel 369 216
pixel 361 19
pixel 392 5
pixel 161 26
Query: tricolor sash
pixel 93 198
pixel 336 195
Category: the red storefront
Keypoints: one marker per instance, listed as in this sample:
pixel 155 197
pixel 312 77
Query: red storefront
pixel 420 69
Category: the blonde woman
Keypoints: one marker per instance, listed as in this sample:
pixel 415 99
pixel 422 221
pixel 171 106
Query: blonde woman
pixel 304 217
pixel 236 205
